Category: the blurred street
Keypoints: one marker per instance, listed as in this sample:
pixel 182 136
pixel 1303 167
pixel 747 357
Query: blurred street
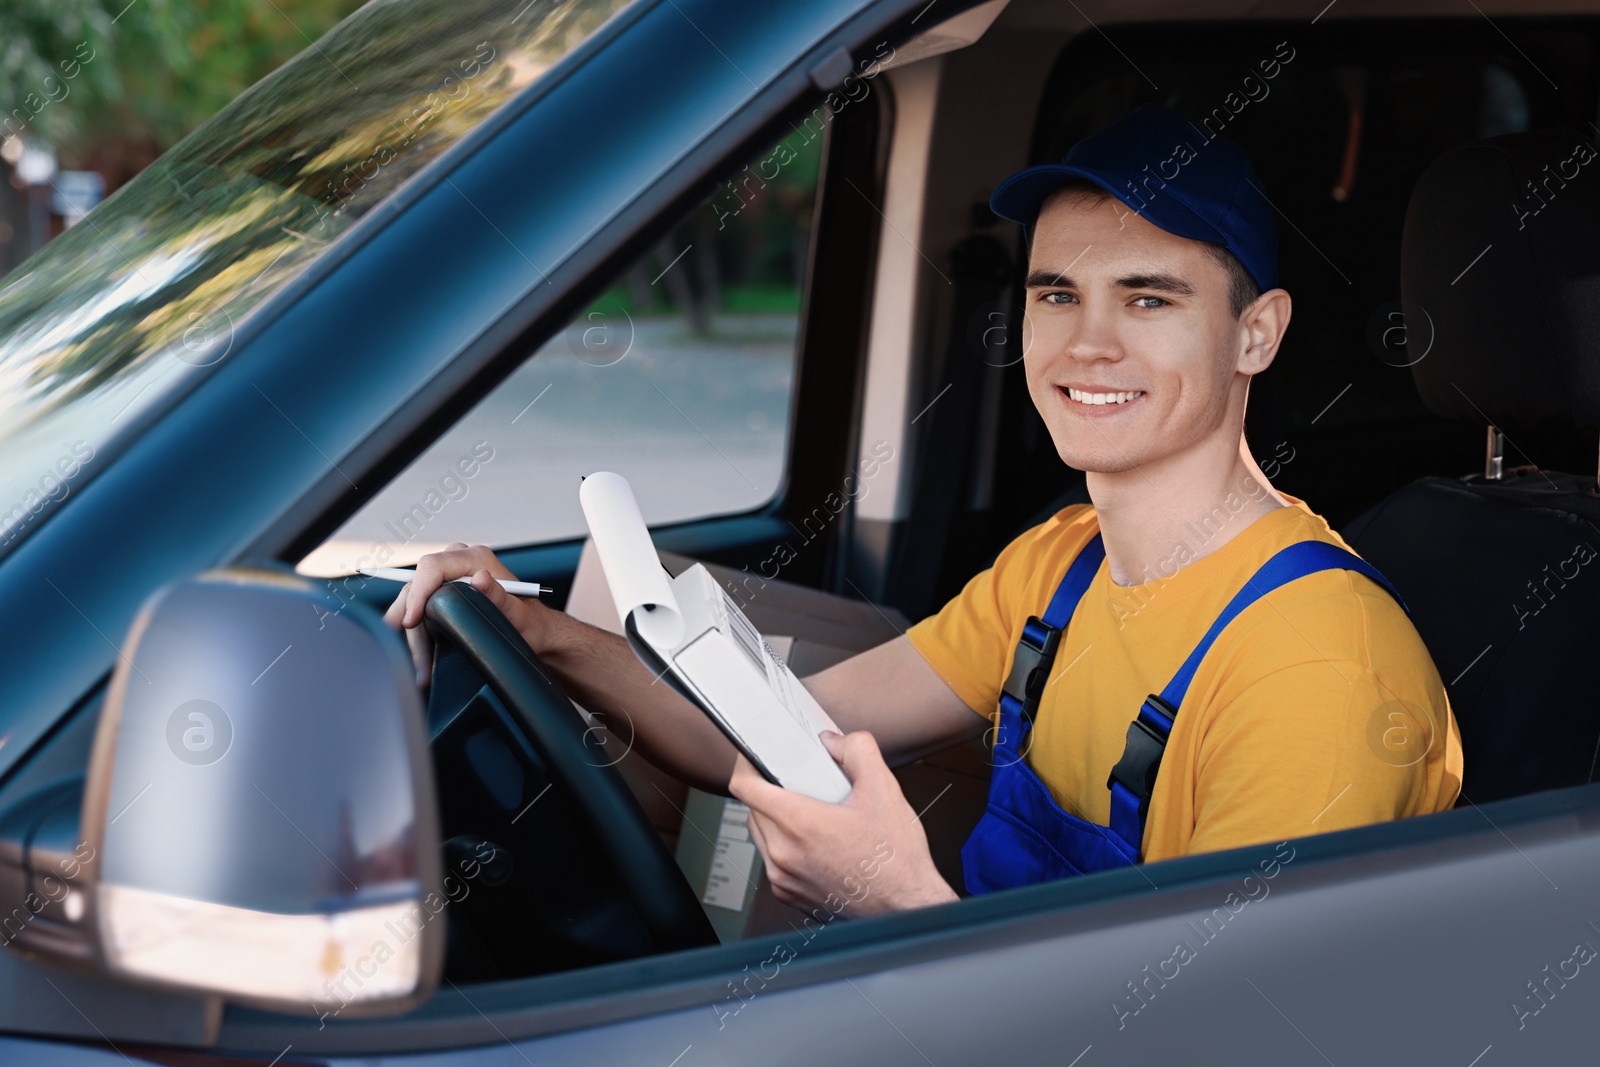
pixel 697 425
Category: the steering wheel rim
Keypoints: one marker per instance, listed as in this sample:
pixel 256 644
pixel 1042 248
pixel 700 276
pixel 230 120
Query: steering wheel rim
pixel 480 631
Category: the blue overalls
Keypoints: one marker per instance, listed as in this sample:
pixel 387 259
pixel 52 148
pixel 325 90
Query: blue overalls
pixel 1024 836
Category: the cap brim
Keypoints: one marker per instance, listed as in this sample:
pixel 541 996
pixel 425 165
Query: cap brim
pixel 1020 197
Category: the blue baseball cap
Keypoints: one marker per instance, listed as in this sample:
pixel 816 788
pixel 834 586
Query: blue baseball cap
pixel 1176 175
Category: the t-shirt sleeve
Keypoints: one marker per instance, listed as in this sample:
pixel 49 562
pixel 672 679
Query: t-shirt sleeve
pixel 969 641
pixel 1314 747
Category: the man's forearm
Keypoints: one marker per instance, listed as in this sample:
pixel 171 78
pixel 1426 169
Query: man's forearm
pixel 889 690
pixel 598 670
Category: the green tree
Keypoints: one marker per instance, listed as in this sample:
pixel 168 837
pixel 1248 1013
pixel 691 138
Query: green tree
pixel 81 72
pixel 44 82
pixel 191 245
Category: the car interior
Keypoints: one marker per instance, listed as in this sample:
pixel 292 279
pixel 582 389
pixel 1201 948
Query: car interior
pixel 881 300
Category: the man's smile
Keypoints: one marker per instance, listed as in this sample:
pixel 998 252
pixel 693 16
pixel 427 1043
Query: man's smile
pixel 1099 403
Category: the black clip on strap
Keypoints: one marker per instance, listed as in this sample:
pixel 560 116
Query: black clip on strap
pixel 1030 666
pixel 1141 754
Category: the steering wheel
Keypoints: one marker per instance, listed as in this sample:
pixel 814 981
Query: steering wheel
pixel 650 877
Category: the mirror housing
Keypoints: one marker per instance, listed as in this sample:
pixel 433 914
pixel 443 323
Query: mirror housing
pixel 259 820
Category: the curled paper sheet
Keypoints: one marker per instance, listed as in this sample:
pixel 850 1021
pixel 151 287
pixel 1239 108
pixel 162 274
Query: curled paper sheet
pixel 638 584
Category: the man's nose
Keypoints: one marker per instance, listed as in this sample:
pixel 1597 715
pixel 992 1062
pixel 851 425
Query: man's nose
pixel 1092 335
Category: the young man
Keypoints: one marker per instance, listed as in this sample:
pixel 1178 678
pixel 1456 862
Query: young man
pixel 1276 699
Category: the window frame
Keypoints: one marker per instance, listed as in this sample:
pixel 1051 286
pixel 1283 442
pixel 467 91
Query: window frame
pixel 829 357
pixel 506 344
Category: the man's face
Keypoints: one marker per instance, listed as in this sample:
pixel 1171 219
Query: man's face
pixel 1115 306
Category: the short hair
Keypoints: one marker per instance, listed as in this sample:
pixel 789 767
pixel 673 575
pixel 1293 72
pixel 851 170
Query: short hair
pixel 1242 288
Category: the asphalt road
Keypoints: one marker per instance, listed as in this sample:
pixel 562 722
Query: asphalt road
pixel 697 425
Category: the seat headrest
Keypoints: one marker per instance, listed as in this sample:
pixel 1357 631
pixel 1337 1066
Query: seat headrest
pixel 1502 251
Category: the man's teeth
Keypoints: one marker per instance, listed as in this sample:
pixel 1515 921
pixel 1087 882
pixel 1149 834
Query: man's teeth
pixel 1103 398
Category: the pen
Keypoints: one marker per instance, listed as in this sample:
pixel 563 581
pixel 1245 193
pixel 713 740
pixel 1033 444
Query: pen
pixel 394 574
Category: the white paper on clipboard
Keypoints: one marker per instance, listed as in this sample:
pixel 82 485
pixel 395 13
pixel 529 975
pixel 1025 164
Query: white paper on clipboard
pixel 639 586
pixel 688 630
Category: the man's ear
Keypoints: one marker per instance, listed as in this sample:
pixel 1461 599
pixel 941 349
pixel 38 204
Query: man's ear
pixel 1264 323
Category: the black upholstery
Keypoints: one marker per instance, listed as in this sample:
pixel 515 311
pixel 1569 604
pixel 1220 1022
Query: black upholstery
pixel 1502 582
pixel 1503 577
pixel 1516 328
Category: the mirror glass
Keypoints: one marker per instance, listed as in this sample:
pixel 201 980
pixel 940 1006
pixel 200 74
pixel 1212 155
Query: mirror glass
pixel 261 803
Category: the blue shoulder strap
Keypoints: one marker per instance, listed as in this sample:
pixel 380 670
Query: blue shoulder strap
pixel 1036 650
pixel 1295 561
pixel 1134 776
pixel 1075 583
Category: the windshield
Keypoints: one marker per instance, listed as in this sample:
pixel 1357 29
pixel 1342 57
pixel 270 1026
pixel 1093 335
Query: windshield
pixel 154 282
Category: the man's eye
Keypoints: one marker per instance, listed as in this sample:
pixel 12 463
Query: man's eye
pixel 1149 302
pixel 1050 298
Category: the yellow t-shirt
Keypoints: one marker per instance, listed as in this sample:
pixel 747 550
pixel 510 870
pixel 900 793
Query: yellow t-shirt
pixel 1318 707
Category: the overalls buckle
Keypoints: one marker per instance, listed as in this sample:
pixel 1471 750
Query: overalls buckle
pixel 1141 760
pixel 1031 663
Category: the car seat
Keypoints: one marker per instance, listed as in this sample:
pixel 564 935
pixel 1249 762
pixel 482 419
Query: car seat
pixel 1500 280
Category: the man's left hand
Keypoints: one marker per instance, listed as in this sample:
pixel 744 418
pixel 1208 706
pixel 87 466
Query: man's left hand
pixel 868 851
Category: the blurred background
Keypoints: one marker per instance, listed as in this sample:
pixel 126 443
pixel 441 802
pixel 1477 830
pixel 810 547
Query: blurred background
pixel 95 90
pixel 680 377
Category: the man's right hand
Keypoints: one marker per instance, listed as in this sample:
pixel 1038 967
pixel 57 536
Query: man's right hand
pixel 595 668
pixel 531 619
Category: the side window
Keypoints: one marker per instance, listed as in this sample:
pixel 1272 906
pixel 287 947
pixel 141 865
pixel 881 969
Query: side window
pixel 679 377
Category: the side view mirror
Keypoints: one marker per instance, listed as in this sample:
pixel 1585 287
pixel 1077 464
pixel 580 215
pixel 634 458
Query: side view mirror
pixel 259 819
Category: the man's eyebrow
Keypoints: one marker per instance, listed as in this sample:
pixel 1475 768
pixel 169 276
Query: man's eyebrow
pixel 1047 279
pixel 1161 283
pixel 1158 282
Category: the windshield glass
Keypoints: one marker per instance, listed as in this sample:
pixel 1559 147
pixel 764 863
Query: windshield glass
pixel 154 282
